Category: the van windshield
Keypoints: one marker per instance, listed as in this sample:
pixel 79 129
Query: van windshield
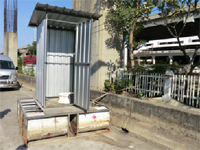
pixel 6 64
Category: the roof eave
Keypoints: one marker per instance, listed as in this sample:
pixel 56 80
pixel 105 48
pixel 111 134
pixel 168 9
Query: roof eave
pixel 45 8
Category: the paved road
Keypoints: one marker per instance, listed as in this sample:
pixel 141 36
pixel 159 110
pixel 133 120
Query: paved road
pixel 11 139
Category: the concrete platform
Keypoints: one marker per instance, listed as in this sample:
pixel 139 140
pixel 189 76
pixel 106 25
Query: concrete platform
pixel 70 109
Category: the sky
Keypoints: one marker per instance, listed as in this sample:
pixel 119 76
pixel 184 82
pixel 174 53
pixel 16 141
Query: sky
pixel 25 9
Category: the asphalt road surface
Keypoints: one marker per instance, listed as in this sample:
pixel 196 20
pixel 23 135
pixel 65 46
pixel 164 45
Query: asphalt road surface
pixel 11 138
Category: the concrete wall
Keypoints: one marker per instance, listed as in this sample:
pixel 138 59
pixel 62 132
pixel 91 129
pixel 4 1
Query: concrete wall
pixel 106 51
pixel 10 46
pixel 27 79
pixel 169 118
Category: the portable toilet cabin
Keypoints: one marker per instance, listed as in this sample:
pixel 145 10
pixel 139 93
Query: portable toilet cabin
pixel 63 53
pixel 62 66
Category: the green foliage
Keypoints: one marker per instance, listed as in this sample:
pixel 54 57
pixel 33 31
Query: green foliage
pixel 32 71
pixel 140 95
pixel 109 86
pixel 118 86
pixel 175 8
pixel 123 16
pixel 19 64
pixel 32 48
pixel 159 69
pixel 125 12
pixel 121 83
pixel 138 43
pixel 140 68
pixel 128 68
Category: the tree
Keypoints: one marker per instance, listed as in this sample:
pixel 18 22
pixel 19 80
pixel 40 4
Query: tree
pixel 184 10
pixel 124 17
pixel 32 48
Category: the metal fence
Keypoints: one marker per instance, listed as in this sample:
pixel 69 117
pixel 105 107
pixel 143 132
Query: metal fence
pixel 150 85
pixel 185 89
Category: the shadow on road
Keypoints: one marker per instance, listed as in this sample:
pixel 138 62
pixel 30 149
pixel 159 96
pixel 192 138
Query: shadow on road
pixel 21 147
pixel 3 113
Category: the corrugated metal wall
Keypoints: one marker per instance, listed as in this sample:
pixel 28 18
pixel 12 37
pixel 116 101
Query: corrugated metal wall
pixel 60 62
pixel 40 68
pixel 56 64
pixel 82 65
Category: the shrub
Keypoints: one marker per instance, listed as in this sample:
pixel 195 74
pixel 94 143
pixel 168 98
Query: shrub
pixel 29 59
pixel 159 69
pixel 19 64
pixel 109 86
pixel 118 86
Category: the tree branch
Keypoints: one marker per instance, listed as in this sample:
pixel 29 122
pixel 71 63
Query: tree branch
pixel 171 31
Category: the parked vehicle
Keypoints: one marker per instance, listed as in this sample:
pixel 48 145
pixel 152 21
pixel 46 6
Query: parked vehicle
pixel 7 73
pixel 196 70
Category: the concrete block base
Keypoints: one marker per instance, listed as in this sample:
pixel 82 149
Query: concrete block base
pixel 168 125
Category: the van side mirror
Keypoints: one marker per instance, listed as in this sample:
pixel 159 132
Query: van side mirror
pixel 16 68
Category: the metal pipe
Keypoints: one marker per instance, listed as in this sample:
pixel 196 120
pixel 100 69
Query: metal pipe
pixel 89 54
pixel 84 63
pixel 79 67
pixel 93 121
pixel 62 21
pixel 45 60
pixel 75 67
pixel 46 127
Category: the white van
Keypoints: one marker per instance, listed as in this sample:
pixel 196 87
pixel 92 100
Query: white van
pixel 7 73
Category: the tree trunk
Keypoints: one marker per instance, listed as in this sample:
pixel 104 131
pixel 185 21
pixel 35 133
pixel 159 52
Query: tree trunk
pixel 131 43
pixel 188 61
pixel 130 48
pixel 188 70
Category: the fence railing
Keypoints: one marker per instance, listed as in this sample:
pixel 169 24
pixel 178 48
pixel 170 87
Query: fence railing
pixel 183 89
pixel 150 85
pixel 186 89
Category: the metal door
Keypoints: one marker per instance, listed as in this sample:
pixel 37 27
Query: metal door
pixel 82 64
pixel 40 68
